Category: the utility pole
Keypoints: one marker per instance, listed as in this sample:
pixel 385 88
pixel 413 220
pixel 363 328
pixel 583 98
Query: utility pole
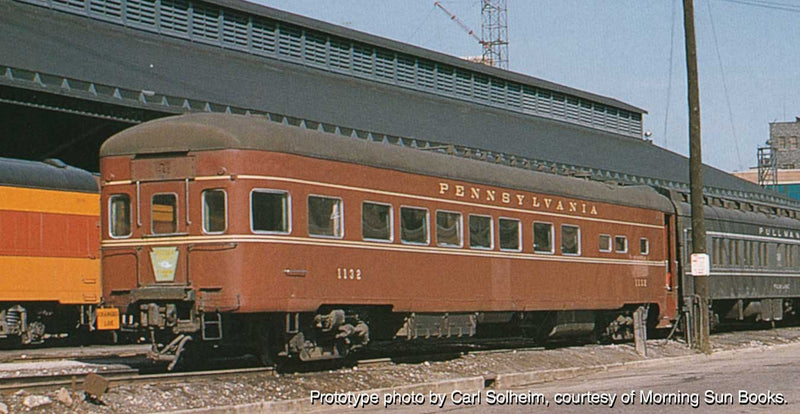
pixel 700 263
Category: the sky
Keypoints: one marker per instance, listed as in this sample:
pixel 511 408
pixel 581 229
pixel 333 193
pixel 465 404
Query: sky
pixel 631 50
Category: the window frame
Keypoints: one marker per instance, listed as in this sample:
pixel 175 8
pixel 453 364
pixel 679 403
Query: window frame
pixel 552 237
pixel 203 210
pixel 177 214
pixel 647 244
pixel 391 222
pixel 714 254
pixel 460 228
pixel 130 216
pixel 519 234
pixel 736 252
pixel 610 243
pixel 341 217
pixel 288 210
pixel 625 239
pixel 579 240
pixel 427 221
pixel 491 232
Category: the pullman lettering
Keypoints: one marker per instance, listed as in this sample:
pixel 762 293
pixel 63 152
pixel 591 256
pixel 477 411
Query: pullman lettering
pixel 782 233
pixel 517 199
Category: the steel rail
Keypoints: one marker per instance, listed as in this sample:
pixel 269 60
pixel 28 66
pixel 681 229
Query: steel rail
pixel 56 353
pixel 119 377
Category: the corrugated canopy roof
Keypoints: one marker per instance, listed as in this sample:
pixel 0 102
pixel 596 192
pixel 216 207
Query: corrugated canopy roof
pixel 139 61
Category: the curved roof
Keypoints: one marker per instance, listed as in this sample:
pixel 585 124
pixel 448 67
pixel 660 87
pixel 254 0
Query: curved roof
pixel 50 175
pixel 208 132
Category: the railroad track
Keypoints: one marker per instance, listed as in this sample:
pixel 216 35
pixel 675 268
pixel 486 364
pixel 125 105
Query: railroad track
pixel 82 352
pixel 130 376
pixel 127 375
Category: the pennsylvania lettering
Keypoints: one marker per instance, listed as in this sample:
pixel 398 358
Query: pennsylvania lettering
pixel 528 201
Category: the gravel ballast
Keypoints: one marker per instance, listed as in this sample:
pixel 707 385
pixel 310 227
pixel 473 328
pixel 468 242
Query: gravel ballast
pixel 267 389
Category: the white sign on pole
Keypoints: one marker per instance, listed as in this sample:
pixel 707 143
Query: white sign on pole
pixel 700 264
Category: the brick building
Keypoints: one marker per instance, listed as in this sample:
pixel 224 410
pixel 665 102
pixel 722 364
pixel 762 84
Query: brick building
pixel 784 142
pixel 784 138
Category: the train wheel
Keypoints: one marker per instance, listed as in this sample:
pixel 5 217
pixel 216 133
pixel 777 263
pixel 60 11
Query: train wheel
pixel 34 334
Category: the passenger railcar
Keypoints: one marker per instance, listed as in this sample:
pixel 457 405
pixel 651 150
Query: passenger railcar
pixel 754 250
pixel 224 228
pixel 49 249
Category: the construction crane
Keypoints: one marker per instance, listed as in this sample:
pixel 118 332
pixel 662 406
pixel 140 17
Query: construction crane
pixel 495 49
pixel 460 23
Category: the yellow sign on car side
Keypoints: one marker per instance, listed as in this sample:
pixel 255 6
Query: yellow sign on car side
pixel 107 319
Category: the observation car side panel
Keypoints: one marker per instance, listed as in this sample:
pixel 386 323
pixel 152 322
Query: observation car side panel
pixel 251 272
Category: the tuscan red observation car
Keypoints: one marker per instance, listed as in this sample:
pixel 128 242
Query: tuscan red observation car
pixel 233 229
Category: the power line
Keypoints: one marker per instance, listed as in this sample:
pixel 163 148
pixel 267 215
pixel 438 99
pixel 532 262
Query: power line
pixel 767 5
pixel 725 86
pixel 669 77
pixel 410 38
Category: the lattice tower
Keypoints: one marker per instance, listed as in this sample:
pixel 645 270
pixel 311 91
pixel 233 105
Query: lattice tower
pixel 767 166
pixel 494 33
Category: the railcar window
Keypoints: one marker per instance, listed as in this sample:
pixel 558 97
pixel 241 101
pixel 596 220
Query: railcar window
pixel 324 216
pixel 164 216
pixel 480 232
pixel 762 254
pixel 621 244
pixel 788 255
pixel 215 217
pixel 119 215
pixel 782 255
pixel 725 258
pixel 413 225
pixel 716 254
pixel 543 238
pixel 449 229
pixel 748 253
pixel 376 221
pixel 570 239
pixel 509 234
pixel 605 243
pixel 745 253
pixel 787 260
pixel 269 211
pixel 644 246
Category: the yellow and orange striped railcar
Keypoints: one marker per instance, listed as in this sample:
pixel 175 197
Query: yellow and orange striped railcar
pixel 49 250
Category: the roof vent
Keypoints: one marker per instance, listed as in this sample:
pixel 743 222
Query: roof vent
pixel 55 162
